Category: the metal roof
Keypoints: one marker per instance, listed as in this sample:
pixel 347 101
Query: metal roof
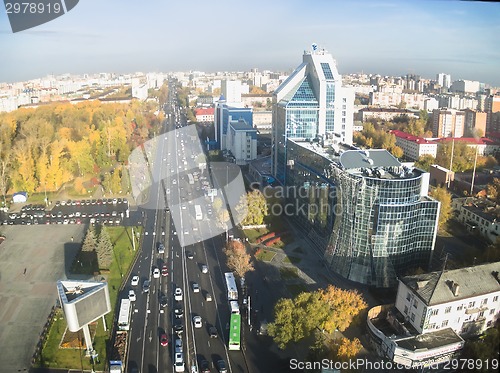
pixel 354 159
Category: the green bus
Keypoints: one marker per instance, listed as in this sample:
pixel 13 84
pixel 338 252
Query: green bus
pixel 234 332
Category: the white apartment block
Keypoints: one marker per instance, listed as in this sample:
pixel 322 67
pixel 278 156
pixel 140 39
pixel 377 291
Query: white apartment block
pixel 467 300
pixel 444 80
pixel 465 86
pixel 414 146
pixel 393 99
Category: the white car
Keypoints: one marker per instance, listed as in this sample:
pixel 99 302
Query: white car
pixel 179 362
pixel 197 322
pixel 178 294
pixel 204 269
pixel 156 273
pixel 131 295
pixel 135 281
pixel 196 287
pixel 208 297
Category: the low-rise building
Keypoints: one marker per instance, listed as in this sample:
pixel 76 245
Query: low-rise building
pixel 480 216
pixel 204 114
pixel 242 141
pixel 432 314
pixel 414 146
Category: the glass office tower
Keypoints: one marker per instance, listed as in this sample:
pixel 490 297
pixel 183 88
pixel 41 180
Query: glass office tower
pixel 370 214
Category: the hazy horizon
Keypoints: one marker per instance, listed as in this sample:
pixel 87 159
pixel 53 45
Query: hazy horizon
pixel 376 37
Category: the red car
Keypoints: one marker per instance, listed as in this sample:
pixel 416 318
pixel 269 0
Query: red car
pixel 164 340
pixel 164 271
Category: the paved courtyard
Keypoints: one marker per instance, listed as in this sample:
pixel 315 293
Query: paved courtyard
pixel 32 259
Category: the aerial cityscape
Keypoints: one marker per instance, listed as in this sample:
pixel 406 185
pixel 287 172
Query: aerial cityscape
pixel 280 187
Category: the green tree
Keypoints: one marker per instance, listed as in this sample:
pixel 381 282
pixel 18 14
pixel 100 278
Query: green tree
pixel 425 162
pixel 90 240
pixel 442 195
pixel 483 349
pixel 104 249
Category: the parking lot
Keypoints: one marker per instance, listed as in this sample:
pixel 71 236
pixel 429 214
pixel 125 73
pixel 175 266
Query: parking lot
pixel 32 259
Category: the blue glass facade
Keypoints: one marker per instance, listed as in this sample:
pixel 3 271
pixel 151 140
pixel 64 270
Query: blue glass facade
pixel 372 229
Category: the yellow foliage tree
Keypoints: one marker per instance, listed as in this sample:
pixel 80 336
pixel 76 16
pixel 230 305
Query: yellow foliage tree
pixel 344 305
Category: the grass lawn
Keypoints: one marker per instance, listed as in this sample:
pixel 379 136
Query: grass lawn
pixel 296 289
pixel 288 273
pixel 265 255
pixel 291 259
pixel 55 357
pixel 253 234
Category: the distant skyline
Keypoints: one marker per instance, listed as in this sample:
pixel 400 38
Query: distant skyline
pixel 389 37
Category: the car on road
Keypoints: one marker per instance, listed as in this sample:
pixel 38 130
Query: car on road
pixel 178 312
pixel 212 331
pixel 196 287
pixel 198 323
pixel 164 340
pixel 189 255
pixel 179 362
pixel 135 281
pixel 156 273
pixel 221 366
pixel 204 268
pixel 178 328
pixel 131 296
pixel 164 270
pixel 163 301
pixel 161 248
pixel 145 286
pixel 178 345
pixel 208 297
pixel 178 294
pixel 205 366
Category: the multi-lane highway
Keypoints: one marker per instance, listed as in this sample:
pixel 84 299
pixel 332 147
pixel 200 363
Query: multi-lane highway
pixel 173 196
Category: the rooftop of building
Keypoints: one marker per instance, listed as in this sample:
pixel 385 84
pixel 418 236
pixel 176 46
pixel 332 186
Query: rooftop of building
pixel 447 286
pixel 469 140
pixel 241 125
pixel 409 137
pixel 74 290
pixel 371 163
pixel 427 341
pixel 482 207
pixel 205 111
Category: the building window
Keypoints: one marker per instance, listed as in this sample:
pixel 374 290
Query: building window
pixel 495 298
pixel 481 314
pixel 485 300
pixel 408 296
pixel 459 308
pixel 471 304
pixel 492 311
pixel 447 309
pixel 344 99
pixel 434 312
pixel 415 303
pixel 412 317
pixel 406 309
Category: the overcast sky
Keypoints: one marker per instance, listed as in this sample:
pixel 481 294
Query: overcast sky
pixel 391 37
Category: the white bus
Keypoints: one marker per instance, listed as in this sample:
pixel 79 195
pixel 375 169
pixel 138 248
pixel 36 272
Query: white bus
pixel 198 213
pixel 232 291
pixel 190 178
pixel 124 315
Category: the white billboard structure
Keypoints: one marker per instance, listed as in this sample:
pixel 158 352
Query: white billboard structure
pixel 83 302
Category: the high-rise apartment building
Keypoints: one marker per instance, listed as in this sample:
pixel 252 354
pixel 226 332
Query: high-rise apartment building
pixel 448 123
pixel 231 90
pixel 444 80
pixel 311 102
pixel 492 108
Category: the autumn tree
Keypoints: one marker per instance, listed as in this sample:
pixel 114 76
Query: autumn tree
pixel 253 208
pixel 328 309
pixel 238 260
pixel 348 349
pixel 493 190
pixel 343 306
pixel 442 195
pixel 222 218
pixel 217 203
pixel 104 249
